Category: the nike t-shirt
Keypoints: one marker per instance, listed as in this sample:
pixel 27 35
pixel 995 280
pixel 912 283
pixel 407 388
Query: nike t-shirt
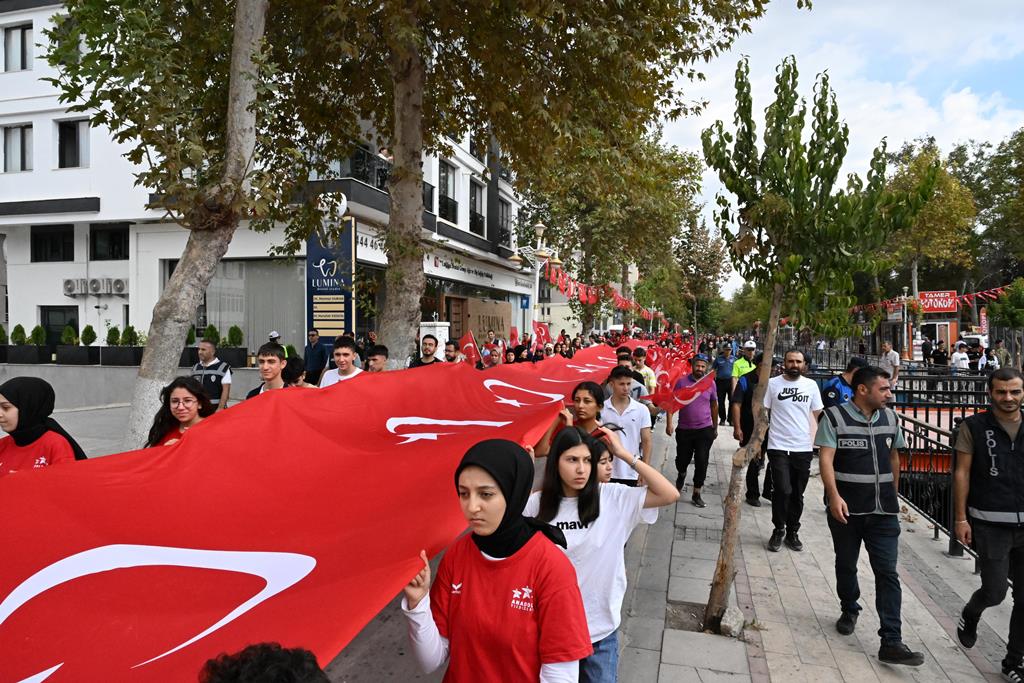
pixel 597 550
pixel 503 619
pixel 792 403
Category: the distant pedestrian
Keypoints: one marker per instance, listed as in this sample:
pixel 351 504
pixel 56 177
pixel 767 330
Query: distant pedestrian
pixel 428 346
pixel 987 510
pixel 722 367
pixel 270 359
pixel 859 444
pixel 213 374
pixel 183 404
pixel 926 351
pixel 344 362
pixel 377 358
pixel 36 440
pixel 839 389
pixel 1002 354
pixel 989 362
pixel 890 363
pixel 940 357
pixel 744 363
pixel 862 350
pixel 317 354
pixel 275 338
pixel 743 430
pixel 794 404
pixel 696 430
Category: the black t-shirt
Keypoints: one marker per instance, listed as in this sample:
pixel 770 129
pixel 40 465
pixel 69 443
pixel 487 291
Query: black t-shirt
pixel 940 357
pixel 418 362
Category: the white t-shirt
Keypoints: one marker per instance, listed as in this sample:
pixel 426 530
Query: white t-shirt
pixel 598 551
pixel 333 377
pixel 633 419
pixel 792 421
pixel 960 360
pixel 890 362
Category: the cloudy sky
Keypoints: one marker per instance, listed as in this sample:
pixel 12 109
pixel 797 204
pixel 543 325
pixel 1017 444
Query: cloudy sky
pixel 953 69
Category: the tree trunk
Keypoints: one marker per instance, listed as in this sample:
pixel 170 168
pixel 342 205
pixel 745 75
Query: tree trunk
pixel 404 281
pixel 725 570
pixel 175 310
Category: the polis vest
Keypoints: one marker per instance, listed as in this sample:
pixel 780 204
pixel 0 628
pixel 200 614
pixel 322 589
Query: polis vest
pixel 211 378
pixel 996 493
pixel 864 476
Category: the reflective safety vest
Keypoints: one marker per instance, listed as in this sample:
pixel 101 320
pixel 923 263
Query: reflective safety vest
pixel 863 469
pixel 212 378
pixel 996 492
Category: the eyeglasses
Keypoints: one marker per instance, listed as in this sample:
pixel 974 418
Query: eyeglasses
pixel 187 402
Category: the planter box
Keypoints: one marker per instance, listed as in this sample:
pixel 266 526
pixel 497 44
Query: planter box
pixel 3 353
pixel 29 354
pixel 121 355
pixel 237 357
pixel 78 355
pixel 189 357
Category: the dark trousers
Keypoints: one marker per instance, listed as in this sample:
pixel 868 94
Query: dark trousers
pixel 1000 557
pixel 754 468
pixel 880 535
pixel 695 445
pixel 790 472
pixel 724 389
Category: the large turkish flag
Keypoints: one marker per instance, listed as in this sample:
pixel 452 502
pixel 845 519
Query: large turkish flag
pixel 292 517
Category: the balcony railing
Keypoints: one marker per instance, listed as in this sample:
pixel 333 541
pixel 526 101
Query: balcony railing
pixel 375 170
pixel 477 223
pixel 448 209
pixel 428 197
pixel 505 235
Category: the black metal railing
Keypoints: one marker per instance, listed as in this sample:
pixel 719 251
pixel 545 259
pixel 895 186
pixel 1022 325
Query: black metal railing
pixel 374 170
pixel 428 197
pixel 477 223
pixel 448 209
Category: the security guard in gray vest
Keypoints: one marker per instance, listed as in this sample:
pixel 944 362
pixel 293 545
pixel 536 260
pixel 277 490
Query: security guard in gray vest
pixel 988 504
pixel 860 468
pixel 214 374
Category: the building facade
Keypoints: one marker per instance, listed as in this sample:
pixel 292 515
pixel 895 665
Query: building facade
pixel 81 248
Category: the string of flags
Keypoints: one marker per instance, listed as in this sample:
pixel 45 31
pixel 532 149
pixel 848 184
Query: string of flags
pixel 572 288
pixel 896 302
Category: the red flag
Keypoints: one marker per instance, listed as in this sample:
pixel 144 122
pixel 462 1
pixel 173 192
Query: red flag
pixel 469 349
pixel 513 337
pixel 139 586
pixel 541 333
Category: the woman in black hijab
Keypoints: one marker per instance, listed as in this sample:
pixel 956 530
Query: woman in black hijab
pixel 505 605
pixel 36 440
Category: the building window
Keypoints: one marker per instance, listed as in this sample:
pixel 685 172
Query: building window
pixel 18 48
pixel 108 242
pixel 448 208
pixel 72 144
pixel 17 148
pixel 53 243
pixel 504 223
pixel 477 223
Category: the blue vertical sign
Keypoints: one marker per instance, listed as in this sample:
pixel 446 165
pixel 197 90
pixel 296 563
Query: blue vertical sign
pixel 330 273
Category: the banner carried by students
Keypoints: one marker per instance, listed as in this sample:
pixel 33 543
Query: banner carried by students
pixel 292 517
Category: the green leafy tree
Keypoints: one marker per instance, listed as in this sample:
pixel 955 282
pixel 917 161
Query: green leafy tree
pixel 704 262
pixel 18 336
pixel 1008 311
pixel 793 230
pixel 38 336
pixel 234 336
pixel 113 336
pixel 68 336
pixel 88 336
pixel 190 338
pixel 3 336
pixel 129 337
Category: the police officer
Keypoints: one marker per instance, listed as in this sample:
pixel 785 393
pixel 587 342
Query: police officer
pixel 988 501
pixel 860 468
pixel 214 374
pixel 838 389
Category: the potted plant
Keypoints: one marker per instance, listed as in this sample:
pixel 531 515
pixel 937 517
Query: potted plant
pixel 29 350
pixel 211 334
pixel 232 351
pixel 113 353
pixel 68 351
pixel 190 354
pixel 88 339
pixel 3 344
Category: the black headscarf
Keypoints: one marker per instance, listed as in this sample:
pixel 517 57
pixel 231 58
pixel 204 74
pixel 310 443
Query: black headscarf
pixel 512 468
pixel 34 397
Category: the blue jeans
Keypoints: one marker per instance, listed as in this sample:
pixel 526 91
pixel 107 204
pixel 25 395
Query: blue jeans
pixel 603 665
pixel 881 536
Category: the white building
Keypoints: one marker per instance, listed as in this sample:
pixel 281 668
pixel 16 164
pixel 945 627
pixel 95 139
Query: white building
pixel 81 248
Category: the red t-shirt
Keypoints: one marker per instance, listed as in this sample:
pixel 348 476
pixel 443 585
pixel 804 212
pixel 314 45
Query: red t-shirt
pixel 504 618
pixel 49 449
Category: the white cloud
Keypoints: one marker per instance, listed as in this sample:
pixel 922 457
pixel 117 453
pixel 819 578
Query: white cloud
pixel 884 60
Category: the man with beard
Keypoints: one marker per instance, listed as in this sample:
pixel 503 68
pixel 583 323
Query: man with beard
pixel 429 346
pixel 860 469
pixel 451 351
pixel 794 403
pixel 696 430
pixel 987 504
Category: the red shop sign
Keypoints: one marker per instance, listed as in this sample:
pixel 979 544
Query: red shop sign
pixel 938 302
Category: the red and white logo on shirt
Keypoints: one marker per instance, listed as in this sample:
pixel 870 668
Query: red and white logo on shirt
pixel 522 599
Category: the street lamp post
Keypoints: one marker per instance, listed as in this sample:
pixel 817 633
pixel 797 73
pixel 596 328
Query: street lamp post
pixel 908 329
pixel 535 256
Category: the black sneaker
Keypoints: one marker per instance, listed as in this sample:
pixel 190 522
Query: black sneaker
pixel 698 501
pixel 680 482
pixel 775 542
pixel 753 501
pixel 1013 672
pixel 899 653
pixel 793 541
pixel 846 623
pixel 967 630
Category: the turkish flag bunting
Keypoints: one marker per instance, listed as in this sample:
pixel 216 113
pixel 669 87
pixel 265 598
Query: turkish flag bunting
pixel 273 520
pixel 469 349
